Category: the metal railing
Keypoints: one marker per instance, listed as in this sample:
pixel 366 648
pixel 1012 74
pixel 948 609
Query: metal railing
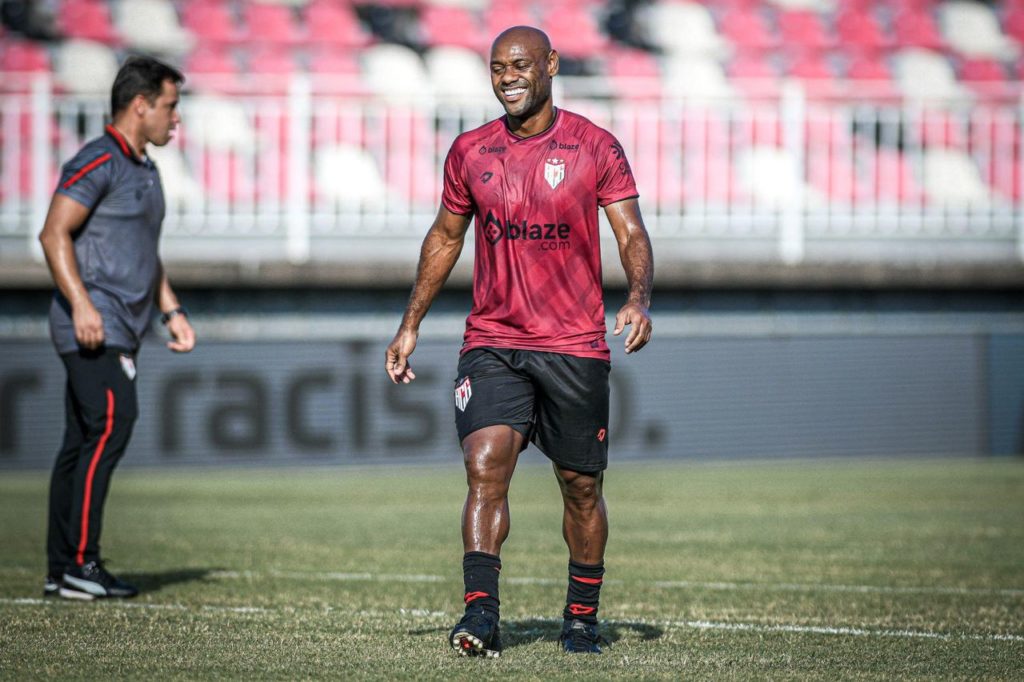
pixel 303 175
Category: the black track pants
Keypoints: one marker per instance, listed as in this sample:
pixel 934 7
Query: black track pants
pixel 100 409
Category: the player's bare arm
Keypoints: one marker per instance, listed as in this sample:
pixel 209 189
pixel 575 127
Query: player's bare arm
pixel 64 217
pixel 438 255
pixel 638 262
pixel 183 336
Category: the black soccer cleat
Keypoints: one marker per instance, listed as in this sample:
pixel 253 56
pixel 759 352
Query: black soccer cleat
pixel 92 581
pixel 580 638
pixel 477 634
pixel 51 586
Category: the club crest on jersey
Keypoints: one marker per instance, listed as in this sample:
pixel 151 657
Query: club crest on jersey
pixel 554 171
pixel 127 366
pixel 463 392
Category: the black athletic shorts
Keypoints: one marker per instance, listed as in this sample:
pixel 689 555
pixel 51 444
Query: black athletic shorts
pixel 557 401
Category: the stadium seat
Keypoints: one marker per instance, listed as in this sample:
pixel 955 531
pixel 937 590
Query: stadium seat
pixel 152 26
pixel 394 72
pixel 499 16
pixel 453 26
pixel 683 28
pixel 634 74
pixel 212 69
pixel 86 20
pixel 810 5
pixel 916 28
pixel 925 74
pixel 891 179
pixel 269 25
pixel 748 30
pixel 179 185
pixel 952 180
pixel 973 30
pixel 574 31
pixel 210 21
pixel 24 56
pixel 804 29
pixel 695 77
pixel 769 176
pixel 861 31
pixel 983 75
pixel 335 24
pixel 458 74
pixel 85 67
pixel 348 176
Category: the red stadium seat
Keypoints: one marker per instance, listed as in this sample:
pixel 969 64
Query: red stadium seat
pixel 87 20
pixel 860 29
pixel 452 26
pixel 574 31
pixel 634 74
pixel 890 178
pixel 333 23
pixel 499 16
pixel 269 24
pixel 24 56
pixel 212 68
pixel 748 30
pixel 804 29
pixel 916 28
pixel 982 71
pixel 210 21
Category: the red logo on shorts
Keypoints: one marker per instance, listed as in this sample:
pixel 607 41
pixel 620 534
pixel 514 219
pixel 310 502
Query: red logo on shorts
pixel 601 434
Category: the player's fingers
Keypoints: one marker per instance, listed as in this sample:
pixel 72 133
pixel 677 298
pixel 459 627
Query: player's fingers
pixel 620 323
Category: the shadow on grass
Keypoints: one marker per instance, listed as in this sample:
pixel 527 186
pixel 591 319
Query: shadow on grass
pixel 517 632
pixel 527 631
pixel 157 580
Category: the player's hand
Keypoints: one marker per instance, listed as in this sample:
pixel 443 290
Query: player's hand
pixel 396 357
pixel 88 325
pixel 636 316
pixel 183 337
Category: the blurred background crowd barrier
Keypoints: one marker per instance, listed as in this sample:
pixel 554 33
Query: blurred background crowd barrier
pixel 834 190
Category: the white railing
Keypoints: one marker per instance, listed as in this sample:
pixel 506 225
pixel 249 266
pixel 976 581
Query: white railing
pixel 299 175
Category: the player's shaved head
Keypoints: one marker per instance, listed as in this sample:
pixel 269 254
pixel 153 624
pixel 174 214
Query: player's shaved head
pixel 522 66
pixel 530 38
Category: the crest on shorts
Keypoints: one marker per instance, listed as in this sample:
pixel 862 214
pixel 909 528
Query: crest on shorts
pixel 463 392
pixel 127 366
pixel 554 171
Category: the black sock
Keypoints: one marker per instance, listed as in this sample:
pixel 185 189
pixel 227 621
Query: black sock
pixel 584 591
pixel 480 572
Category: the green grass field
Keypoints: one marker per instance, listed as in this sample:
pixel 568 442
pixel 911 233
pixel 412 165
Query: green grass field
pixel 799 570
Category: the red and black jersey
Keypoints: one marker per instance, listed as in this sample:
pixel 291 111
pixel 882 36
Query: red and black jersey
pixel 537 271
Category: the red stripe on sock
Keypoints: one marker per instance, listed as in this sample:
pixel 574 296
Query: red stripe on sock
pixel 588 581
pixel 581 610
pixel 87 498
pixel 471 596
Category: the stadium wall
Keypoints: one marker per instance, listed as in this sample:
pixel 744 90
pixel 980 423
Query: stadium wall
pixel 294 377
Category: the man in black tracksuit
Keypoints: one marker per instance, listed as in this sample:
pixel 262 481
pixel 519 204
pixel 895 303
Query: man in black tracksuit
pixel 101 243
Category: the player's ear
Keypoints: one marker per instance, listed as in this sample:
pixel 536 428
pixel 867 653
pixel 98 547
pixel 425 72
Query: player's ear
pixel 552 62
pixel 139 104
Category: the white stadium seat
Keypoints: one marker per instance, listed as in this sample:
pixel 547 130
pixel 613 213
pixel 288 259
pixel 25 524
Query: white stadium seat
pixel 458 74
pixel 152 26
pixel 85 67
pixel 972 29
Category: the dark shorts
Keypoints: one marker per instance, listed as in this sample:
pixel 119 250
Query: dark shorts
pixel 559 402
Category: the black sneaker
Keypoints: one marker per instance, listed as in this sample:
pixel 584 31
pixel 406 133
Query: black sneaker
pixel 92 581
pixel 51 586
pixel 477 634
pixel 580 638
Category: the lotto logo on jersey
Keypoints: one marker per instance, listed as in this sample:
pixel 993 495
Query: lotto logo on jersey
pixel 463 392
pixel 554 172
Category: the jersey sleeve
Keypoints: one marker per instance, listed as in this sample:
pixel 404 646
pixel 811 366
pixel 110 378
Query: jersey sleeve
pixel 614 175
pixel 86 177
pixel 456 196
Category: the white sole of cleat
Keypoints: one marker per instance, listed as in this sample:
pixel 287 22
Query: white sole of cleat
pixel 75 594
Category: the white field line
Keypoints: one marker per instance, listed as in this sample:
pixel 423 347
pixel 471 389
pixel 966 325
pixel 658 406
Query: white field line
pixel 662 584
pixel 759 628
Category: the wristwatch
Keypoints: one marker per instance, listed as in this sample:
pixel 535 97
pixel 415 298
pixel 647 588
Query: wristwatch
pixel 166 317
